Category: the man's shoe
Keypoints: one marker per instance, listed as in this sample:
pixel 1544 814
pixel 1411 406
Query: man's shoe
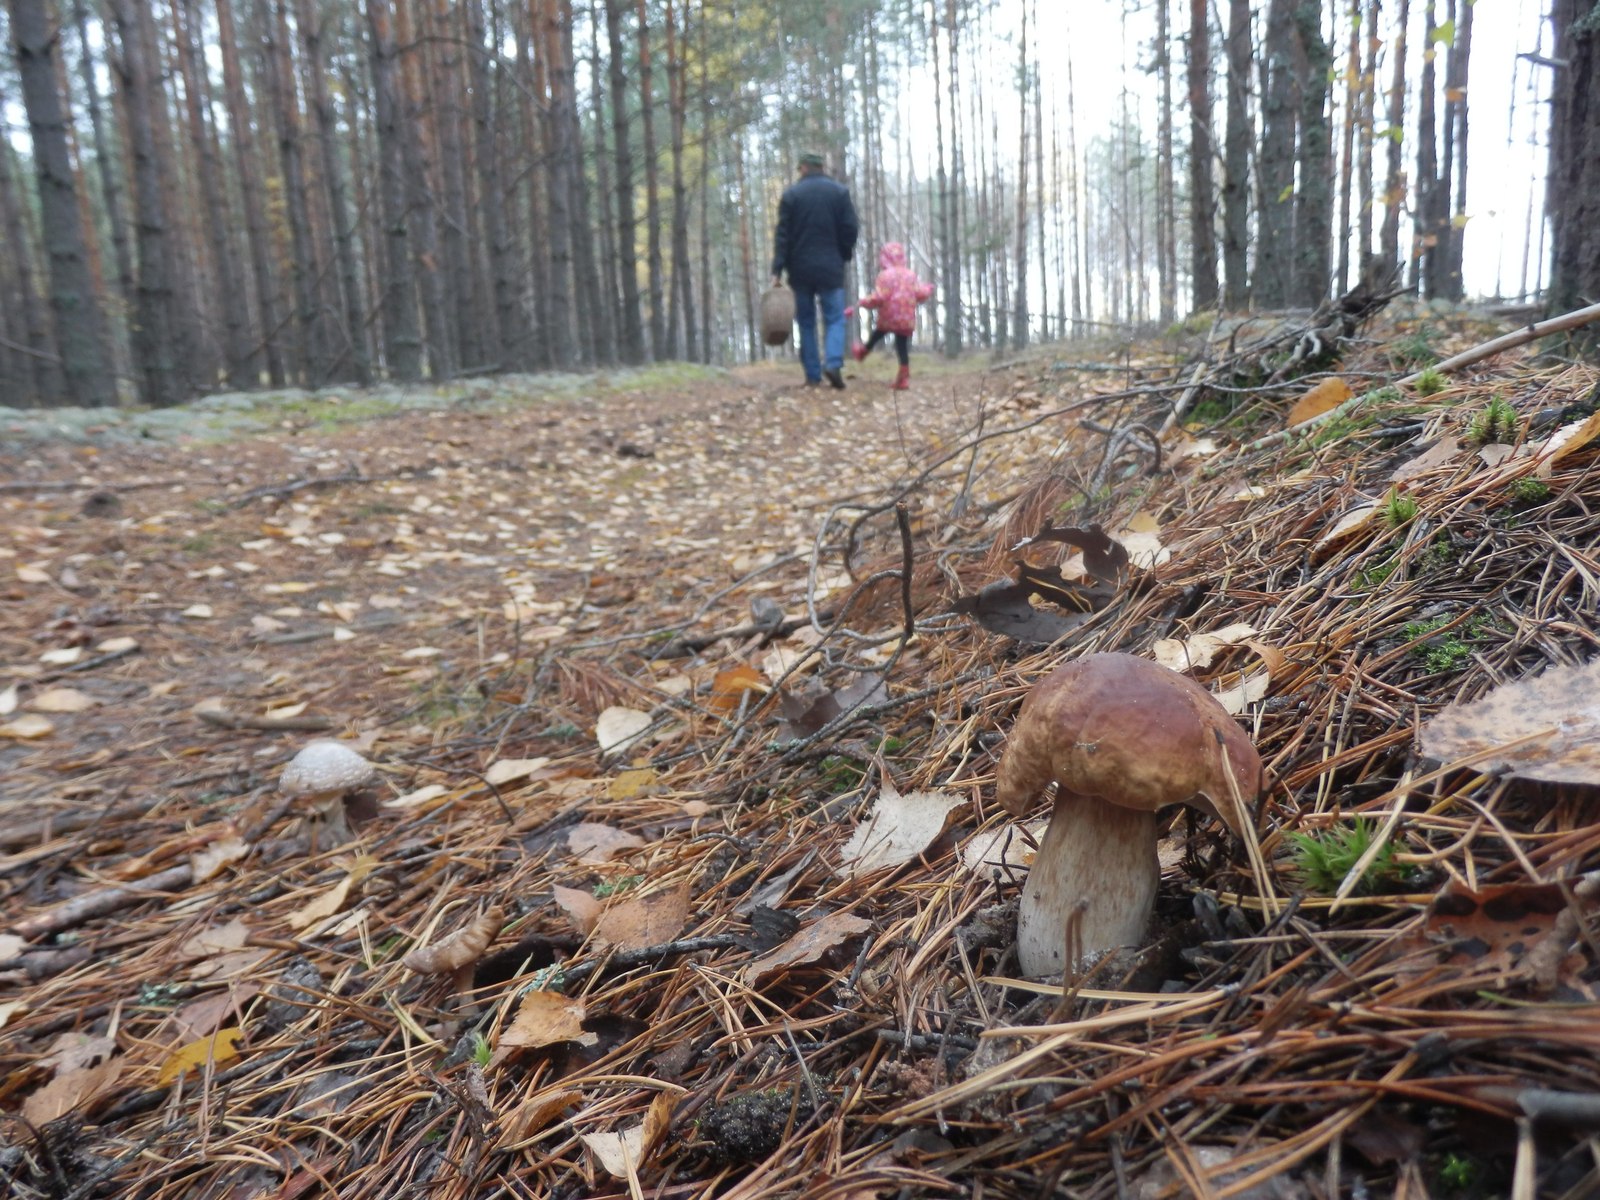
pixel 813 383
pixel 835 378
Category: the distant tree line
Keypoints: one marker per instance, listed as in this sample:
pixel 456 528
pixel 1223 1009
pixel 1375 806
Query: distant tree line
pixel 205 194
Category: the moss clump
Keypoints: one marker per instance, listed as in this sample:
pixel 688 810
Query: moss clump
pixel 1322 860
pixel 749 1126
pixel 1496 423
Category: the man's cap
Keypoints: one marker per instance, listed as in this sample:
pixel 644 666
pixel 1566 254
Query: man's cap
pixel 812 159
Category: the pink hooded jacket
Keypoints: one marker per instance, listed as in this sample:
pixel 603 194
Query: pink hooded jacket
pixel 897 292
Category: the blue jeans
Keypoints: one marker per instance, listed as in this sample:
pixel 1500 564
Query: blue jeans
pixel 806 303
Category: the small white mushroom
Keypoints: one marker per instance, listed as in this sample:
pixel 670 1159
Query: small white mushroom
pixel 321 775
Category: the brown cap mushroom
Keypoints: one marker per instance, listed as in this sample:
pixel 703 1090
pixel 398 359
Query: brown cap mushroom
pixel 1120 737
pixel 321 774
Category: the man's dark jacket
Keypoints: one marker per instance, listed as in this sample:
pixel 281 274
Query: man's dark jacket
pixel 816 234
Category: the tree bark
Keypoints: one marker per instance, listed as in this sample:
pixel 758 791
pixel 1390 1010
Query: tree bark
pixel 632 332
pixel 558 160
pixel 1166 206
pixel 1202 194
pixel 34 370
pixel 1394 187
pixel 247 166
pixel 81 333
pixel 681 309
pixel 1275 249
pixel 510 342
pixel 1236 163
pixel 402 335
pixel 454 147
pixel 652 181
pixel 595 338
pixel 1573 192
pixel 1019 307
pixel 417 144
pixel 158 352
pixel 1313 208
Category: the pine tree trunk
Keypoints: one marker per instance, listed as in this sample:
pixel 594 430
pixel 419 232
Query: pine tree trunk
pixel 34 373
pixel 158 352
pixel 603 225
pixel 1166 206
pixel 1202 194
pixel 534 170
pixel 952 308
pixel 81 333
pixel 746 254
pixel 1352 107
pixel 402 334
pixel 632 331
pixel 1574 180
pixel 1365 133
pixel 509 335
pixel 238 345
pixel 1275 249
pixel 1425 188
pixel 1019 307
pixel 340 217
pixel 1394 187
pixel 1456 100
pixel 1313 215
pixel 652 217
pixel 1236 159
pixel 595 339
pixel 682 280
pixel 417 145
pixel 455 226
pixel 558 159
pixel 247 166
pixel 108 162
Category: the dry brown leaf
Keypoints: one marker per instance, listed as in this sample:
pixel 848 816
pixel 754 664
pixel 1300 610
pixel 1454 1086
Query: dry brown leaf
pixel 898 829
pixel 1184 654
pixel 1238 696
pixel 580 906
pixel 220 940
pixel 9 1009
pixel 620 728
pixel 212 857
pixel 423 795
pixel 62 700
pixel 630 783
pixel 75 1050
pixel 617 1153
pixel 71 1090
pixel 1554 716
pixel 543 1019
pixel 508 769
pixel 1443 453
pixel 633 922
pixel 1350 522
pixel 1011 847
pixel 595 843
pixel 1328 394
pixel 28 727
pixel 202 1017
pixel 1569 439
pixel 728 688
pixel 536 1113
pixel 218 1048
pixel 460 949
pixel 810 944
pixel 332 900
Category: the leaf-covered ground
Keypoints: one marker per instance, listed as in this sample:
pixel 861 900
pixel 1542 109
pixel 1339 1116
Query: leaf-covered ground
pixel 633 660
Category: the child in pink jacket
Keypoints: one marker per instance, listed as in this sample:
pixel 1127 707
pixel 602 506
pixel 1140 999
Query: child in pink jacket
pixel 896 295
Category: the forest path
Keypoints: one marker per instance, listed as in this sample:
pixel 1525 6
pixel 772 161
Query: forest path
pixel 364 574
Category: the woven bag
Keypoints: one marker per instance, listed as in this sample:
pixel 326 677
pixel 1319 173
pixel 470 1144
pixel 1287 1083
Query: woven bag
pixel 777 315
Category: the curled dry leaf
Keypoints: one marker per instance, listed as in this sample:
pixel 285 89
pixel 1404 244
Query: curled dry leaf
pixel 27 728
pixel 1546 727
pixel 214 856
pixel 460 949
pixel 543 1019
pixel 508 769
pixel 1193 653
pixel 423 795
pixel 62 700
pixel 810 944
pixel 71 1090
pixel 1327 395
pixel 634 922
pixel 580 906
pixel 619 728
pixel 596 843
pixel 1006 849
pixel 898 829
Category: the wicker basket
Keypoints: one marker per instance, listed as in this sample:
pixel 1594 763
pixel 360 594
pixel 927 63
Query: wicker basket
pixel 777 315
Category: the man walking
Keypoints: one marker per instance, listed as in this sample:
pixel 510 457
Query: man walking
pixel 816 236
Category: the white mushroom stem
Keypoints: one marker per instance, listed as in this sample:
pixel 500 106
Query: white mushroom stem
pixel 1096 867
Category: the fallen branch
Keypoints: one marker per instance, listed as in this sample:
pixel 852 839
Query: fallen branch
pixel 86 906
pixel 227 719
pixel 62 485
pixel 1520 337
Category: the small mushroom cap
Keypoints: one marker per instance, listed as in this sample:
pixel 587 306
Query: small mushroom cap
pixel 1131 732
pixel 324 766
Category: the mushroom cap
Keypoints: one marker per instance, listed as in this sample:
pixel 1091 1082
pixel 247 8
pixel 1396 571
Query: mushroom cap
pixel 1131 732
pixel 324 766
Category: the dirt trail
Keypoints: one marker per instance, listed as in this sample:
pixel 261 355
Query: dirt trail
pixel 367 600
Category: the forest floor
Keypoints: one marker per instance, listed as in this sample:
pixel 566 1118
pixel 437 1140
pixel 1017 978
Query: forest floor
pixel 633 657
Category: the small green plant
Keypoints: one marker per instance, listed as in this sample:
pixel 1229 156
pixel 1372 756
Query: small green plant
pixel 1529 490
pixel 1496 423
pixel 840 774
pixel 1414 350
pixel 481 1050
pixel 1370 579
pixel 1213 410
pixel 1440 554
pixel 616 887
pixel 1324 859
pixel 1430 382
pixel 1398 509
pixel 1439 654
pixel 1457 1173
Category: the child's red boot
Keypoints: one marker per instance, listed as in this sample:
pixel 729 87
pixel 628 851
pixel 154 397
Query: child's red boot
pixel 902 381
pixel 858 351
